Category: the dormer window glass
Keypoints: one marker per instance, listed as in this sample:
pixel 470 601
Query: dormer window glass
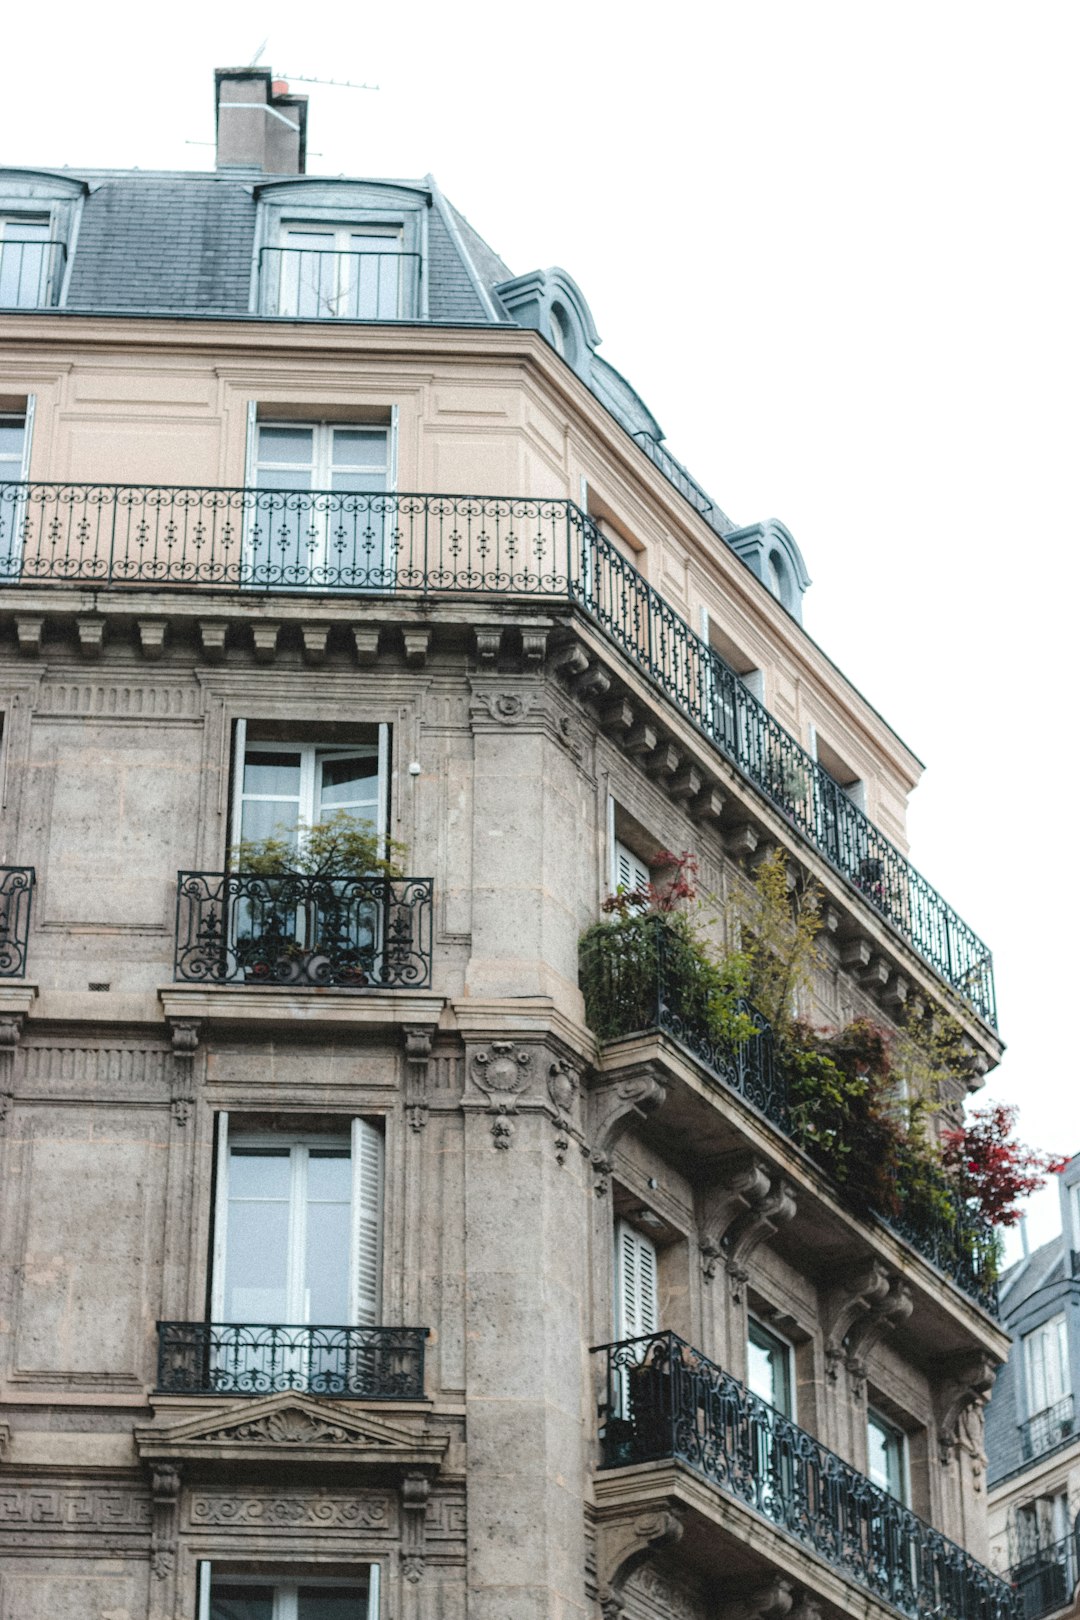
pixel 327 271
pixel 31 263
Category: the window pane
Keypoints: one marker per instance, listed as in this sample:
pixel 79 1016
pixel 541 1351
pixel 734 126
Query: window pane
pixel 885 1453
pixel 315 240
pixel 25 230
pixel 266 818
pixel 768 1372
pixel 257 1241
pixel 11 441
pixel 349 782
pixel 276 774
pixel 289 444
pixel 359 449
pixel 332 1603
pixel 229 1601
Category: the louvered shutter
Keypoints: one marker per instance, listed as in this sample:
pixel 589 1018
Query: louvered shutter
pixel 367 1221
pixel 636 1306
pixel 629 872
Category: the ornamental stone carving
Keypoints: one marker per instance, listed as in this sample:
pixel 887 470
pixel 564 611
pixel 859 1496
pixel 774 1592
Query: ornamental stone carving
pixel 165 1499
pixel 503 1071
pixel 185 1044
pixel 299 1512
pixel 863 1306
pixel 623 1545
pixel 747 1204
pixel 614 1104
pixel 289 1426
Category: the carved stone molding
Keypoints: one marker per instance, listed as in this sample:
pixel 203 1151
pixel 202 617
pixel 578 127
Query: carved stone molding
pixel 564 1086
pixel 10 1035
pixel 506 708
pixel 745 1207
pixel 502 1071
pixel 271 1511
pixel 614 1105
pixel 861 1308
pixel 623 1544
pixel 164 1517
pixel 418 1039
pixel 963 1391
pixel 185 1044
pixel 770 1602
pixel 415 1490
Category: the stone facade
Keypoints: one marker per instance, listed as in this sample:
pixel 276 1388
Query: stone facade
pixel 518 742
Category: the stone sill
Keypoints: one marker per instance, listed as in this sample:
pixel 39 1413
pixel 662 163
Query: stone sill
pixel 277 1007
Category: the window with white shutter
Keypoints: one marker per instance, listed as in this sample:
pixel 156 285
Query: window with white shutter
pixel 298 1229
pixel 636 1291
pixel 1046 1359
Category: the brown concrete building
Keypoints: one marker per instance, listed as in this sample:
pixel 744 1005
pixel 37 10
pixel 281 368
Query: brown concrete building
pixel 319 1192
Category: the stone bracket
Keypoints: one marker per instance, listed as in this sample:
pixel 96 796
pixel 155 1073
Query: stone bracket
pixel 418 1039
pixel 965 1388
pixel 745 1207
pixel 10 1035
pixel 185 1044
pixel 614 1104
pixel 862 1308
pixel 623 1544
pixel 415 1490
pixel 164 1517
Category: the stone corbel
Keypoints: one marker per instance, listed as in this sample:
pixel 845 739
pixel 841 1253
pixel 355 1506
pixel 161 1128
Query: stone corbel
pixel 164 1509
pixel 502 1071
pixel 185 1044
pixel 415 1490
pixel 418 1038
pixel 862 1307
pixel 964 1388
pixel 770 1602
pixel 614 1104
pixel 745 1207
pixel 10 1035
pixel 564 1084
pixel 623 1545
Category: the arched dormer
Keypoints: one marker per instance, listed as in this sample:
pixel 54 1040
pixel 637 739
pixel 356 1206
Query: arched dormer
pixel 770 550
pixel 552 303
pixel 341 250
pixel 39 213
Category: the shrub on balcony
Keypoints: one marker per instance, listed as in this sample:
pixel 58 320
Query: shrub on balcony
pixel 341 846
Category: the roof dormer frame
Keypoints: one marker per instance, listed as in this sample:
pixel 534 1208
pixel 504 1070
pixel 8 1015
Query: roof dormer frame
pixel 60 196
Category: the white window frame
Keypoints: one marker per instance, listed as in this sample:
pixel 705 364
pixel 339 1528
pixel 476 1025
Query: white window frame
pixel 17 219
pixel 343 235
pixel 1052 1335
pixel 893 1432
pixel 312 756
pixel 628 870
pixel 637 1307
pixel 367 1153
pixel 315 476
pixel 13 513
pixel 286 1587
pixel 753 1322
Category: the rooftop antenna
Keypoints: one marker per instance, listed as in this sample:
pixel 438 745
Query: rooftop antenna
pixel 341 84
pixel 259 52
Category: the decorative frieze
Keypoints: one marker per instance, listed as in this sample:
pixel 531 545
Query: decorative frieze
pixel 371 1512
pixel 70 1507
pixel 149 699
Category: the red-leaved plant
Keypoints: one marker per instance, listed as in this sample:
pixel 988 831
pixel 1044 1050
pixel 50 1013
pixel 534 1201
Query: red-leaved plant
pixel 994 1169
pixel 678 875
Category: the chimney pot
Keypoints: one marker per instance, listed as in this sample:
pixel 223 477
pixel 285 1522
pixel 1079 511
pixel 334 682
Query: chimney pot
pixel 261 126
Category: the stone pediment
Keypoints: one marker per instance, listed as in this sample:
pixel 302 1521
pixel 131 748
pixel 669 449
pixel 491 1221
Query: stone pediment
pixel 292 1428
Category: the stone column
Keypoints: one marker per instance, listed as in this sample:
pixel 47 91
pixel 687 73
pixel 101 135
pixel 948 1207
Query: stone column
pixel 526 1401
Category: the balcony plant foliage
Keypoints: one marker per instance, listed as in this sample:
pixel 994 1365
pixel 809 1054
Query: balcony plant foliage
pixel 862 1101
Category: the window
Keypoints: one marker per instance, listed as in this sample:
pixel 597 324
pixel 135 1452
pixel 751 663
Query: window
pixel 298 1228
pixel 31 263
pixel 325 542
pixel 14 459
pixel 224 1595
pixel 282 786
pixel 1046 1362
pixel 636 1300
pixel 629 872
pixel 886 1449
pixel 325 271
pixel 768 1368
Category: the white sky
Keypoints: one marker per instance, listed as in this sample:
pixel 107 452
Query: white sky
pixel 834 247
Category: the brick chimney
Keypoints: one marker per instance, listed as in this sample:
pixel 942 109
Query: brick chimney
pixel 261 126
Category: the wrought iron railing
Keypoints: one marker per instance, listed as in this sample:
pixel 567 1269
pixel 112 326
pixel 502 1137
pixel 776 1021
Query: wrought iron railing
pixel 314 284
pixel 266 540
pixel 31 274
pixel 299 929
pixel 1047 1577
pixel 645 974
pixel 664 1399
pixel 685 482
pixel 16 893
pixel 348 1363
pixel 1048 1429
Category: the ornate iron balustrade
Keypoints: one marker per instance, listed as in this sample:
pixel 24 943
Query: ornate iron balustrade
pixel 1047 1577
pixel 348 1363
pixel 685 482
pixel 301 930
pixel 315 284
pixel 666 1400
pixel 16 892
pixel 31 274
pixel 645 975
pixel 1047 1429
pixel 269 540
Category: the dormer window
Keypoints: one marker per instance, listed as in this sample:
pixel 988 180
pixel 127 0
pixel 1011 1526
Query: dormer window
pixel 345 272
pixel 31 262
pixel 341 251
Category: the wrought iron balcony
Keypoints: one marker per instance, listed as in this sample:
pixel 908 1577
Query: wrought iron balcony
pixel 16 892
pixel 1046 1578
pixel 685 482
pixel 31 273
pixel 347 1363
pixel 666 1400
pixel 303 930
pixel 431 545
pixel 647 976
pixel 1047 1429
pixel 312 284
